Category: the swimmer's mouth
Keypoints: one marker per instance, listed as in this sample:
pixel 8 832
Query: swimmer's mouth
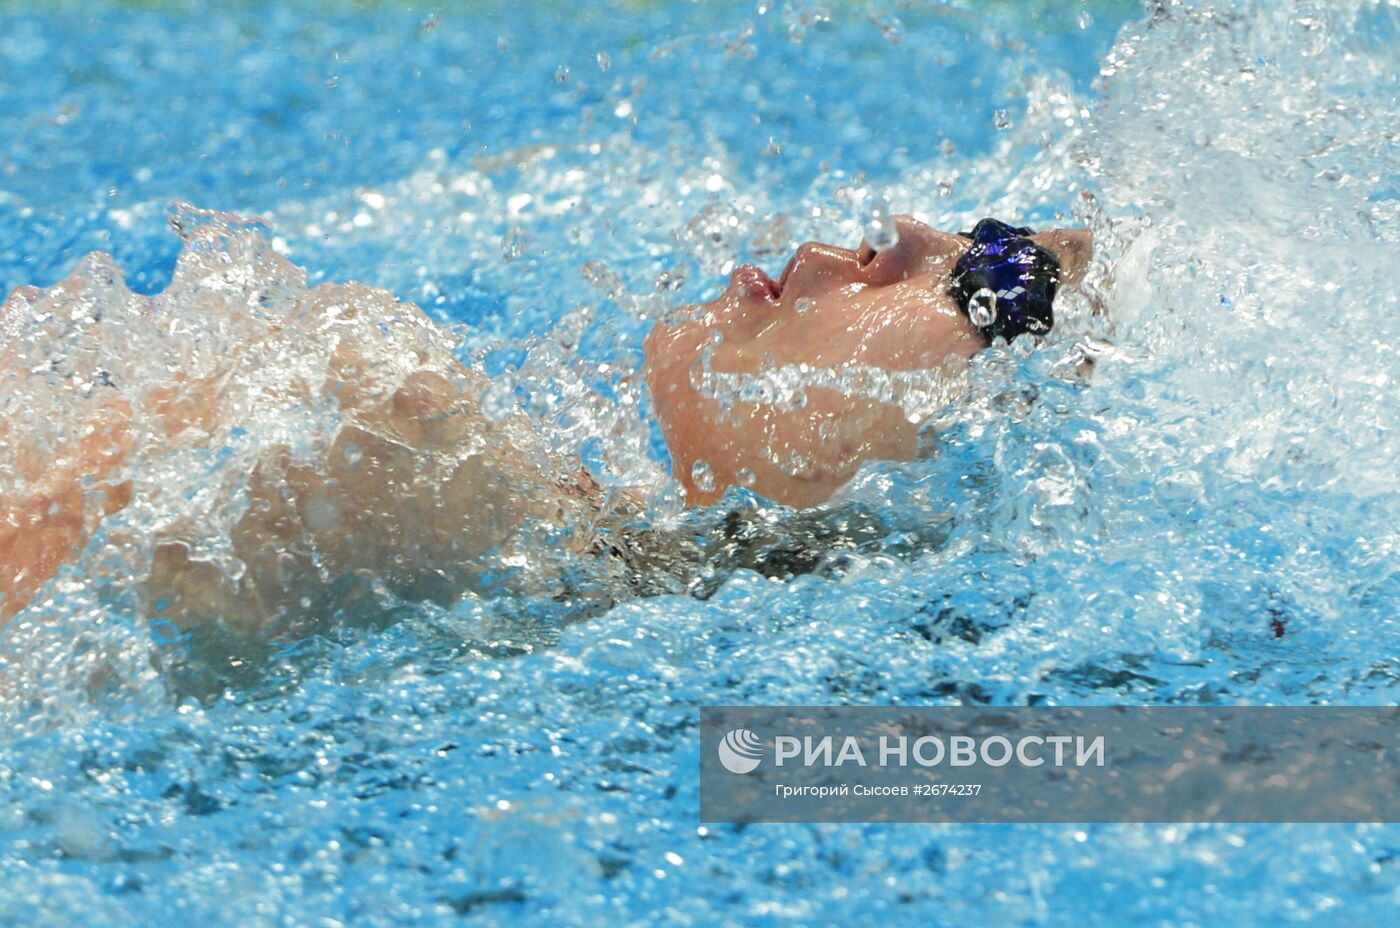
pixel 753 281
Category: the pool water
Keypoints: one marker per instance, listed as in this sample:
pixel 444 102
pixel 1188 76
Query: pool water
pixel 1211 517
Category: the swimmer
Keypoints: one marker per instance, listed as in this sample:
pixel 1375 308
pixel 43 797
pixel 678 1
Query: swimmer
pixel 419 486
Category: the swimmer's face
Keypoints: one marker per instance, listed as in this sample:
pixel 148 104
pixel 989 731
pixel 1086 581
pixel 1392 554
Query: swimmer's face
pixel 835 308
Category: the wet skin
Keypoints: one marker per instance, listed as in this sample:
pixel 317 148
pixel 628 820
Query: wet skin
pixel 831 308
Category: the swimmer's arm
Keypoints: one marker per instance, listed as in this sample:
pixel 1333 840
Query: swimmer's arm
pixel 68 493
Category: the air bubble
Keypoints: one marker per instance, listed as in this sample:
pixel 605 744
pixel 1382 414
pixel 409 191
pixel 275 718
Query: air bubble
pixel 604 61
pixel 1001 120
pixel 561 74
pixel 746 477
pixel 804 305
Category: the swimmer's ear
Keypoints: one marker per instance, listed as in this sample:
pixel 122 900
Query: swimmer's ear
pixel 1072 248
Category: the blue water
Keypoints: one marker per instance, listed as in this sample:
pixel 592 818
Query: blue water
pixel 1211 517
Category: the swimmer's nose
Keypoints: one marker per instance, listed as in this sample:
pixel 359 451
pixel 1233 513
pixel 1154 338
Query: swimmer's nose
pixel 915 245
pixel 816 268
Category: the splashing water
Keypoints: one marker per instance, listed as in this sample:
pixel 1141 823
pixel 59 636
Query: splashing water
pixel 1208 517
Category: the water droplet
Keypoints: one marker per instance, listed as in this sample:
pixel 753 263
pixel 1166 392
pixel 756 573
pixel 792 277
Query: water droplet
pixel 1001 120
pixel 702 476
pixel 1227 303
pixel 947 147
pixel 430 23
pixel 1086 19
pixel 498 400
pixel 982 308
pixel 604 61
pixel 879 226
pixel 333 81
pixel 746 477
pixel 673 278
pixel 890 25
pixel 715 234
pixel 804 305
pixel 801 15
pixel 561 74
pixel 502 44
pixel 514 243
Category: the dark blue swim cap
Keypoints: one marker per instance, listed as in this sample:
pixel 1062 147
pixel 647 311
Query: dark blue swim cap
pixel 1005 282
